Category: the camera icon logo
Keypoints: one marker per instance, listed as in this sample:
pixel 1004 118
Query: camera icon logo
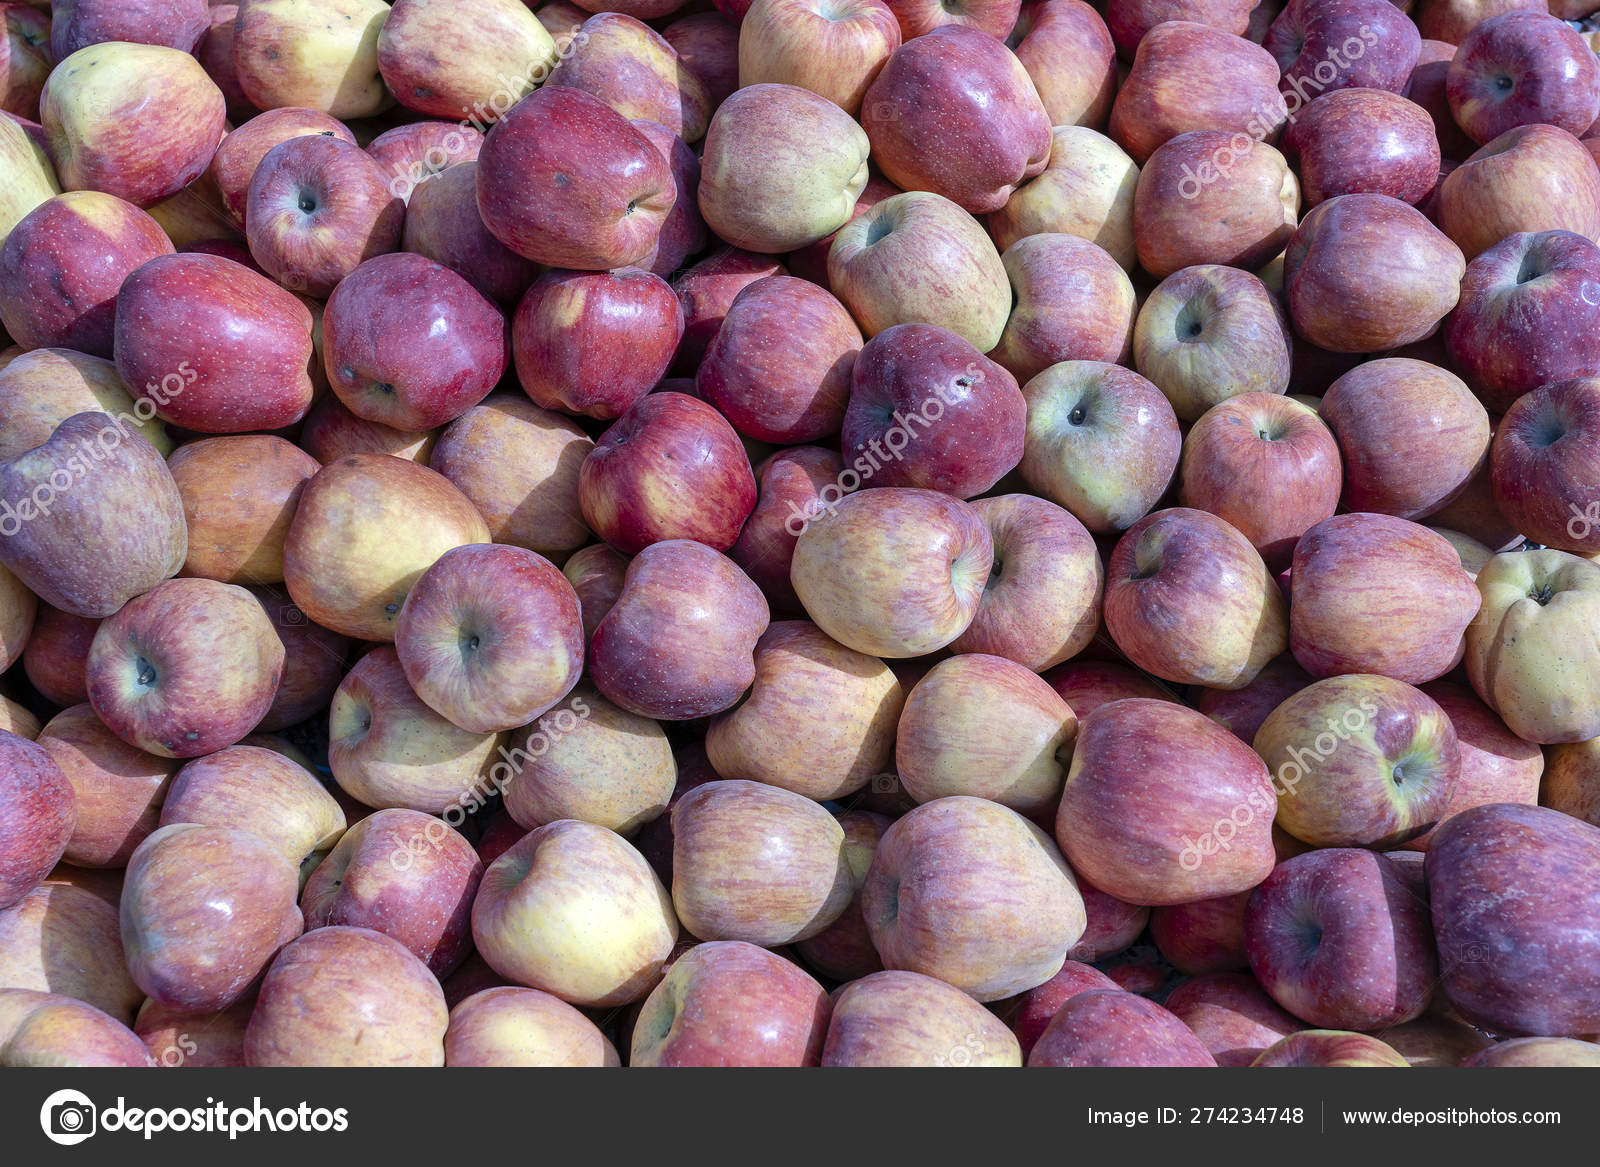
pixel 68 1117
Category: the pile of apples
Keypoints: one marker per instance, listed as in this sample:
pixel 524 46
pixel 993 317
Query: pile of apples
pixel 844 532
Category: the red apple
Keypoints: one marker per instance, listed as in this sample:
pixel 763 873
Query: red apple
pixel 565 180
pixel 1073 302
pixel 635 70
pixel 1366 44
pixel 239 496
pixel 1231 1016
pixel 117 787
pixel 1068 52
pixel 679 642
pixel 241 152
pixel 317 208
pixel 1109 1027
pixel 443 224
pixel 40 813
pixel 509 1026
pixel 1531 178
pixel 1521 68
pixel 1354 141
pixel 1203 937
pixel 594 343
pixel 1135 820
pixel 831 49
pixel 670 467
pixel 954 112
pixel 463 61
pixel 62 264
pixel 907 1019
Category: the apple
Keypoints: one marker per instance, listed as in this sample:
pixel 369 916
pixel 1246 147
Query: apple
pixel 707 44
pixel 1101 441
pixel 62 264
pixel 1202 937
pixel 29 59
pixel 241 151
pixel 368 525
pixel 1187 571
pixel 213 346
pixel 40 811
pixel 181 1037
pixel 1210 332
pixel 1202 200
pixel 1531 178
pixel 972 415
pixel 1354 141
pixel 491 636
pixel 1367 273
pixel 204 910
pixel 1330 1047
pixel 214 51
pixel 1537 1051
pixel 919 258
pixel 139 122
pixel 729 1003
pixel 609 767
pixel 1190 76
pixel 844 950
pixel 1437 1040
pixel 1543 462
pixel 81 547
pixel 1412 435
pixel 41 389
pixel 1041 602
pixel 594 343
pixel 920 17
pixel 1427 87
pixel 330 432
pixel 1571 781
pixel 19 609
pixel 1451 20
pixel 1360 761
pixel 1336 937
pixel 1241 711
pixel 564 180
pixel 248 788
pixel 596 573
pixel 779 367
pixel 317 208
pixel 907 1019
pixel 461 61
pixel 1068 52
pixel 635 70
pixel 443 224
pixel 953 111
pixel 834 50
pixel 1265 464
pixel 1109 1027
pixel 683 231
pixel 679 642
pixel 313 662
pixel 518 466
pixel 573 910
pixel 968 891
pixel 343 996
pixel 757 863
pixel 1073 302
pixel 1520 68
pixel 1511 890
pixel 1537 278
pixel 1363 44
pixel 1532 652
pixel 670 467
pixel 1087 189
pixel 389 749
pixel 790 483
pixel 707 290
pixel 239 495
pixel 46 1029
pixel 1038 1005
pixel 509 1026
pixel 63 939
pixel 894 571
pixel 1231 1015
pixel 988 727
pixel 1378 594
pixel 781 168
pixel 318 54
pixel 33 177
pixel 118 788
pixel 18 719
pixel 819 721
pixel 424 900
pixel 410 344
pixel 416 153
pixel 1139 754
pixel 1087 684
